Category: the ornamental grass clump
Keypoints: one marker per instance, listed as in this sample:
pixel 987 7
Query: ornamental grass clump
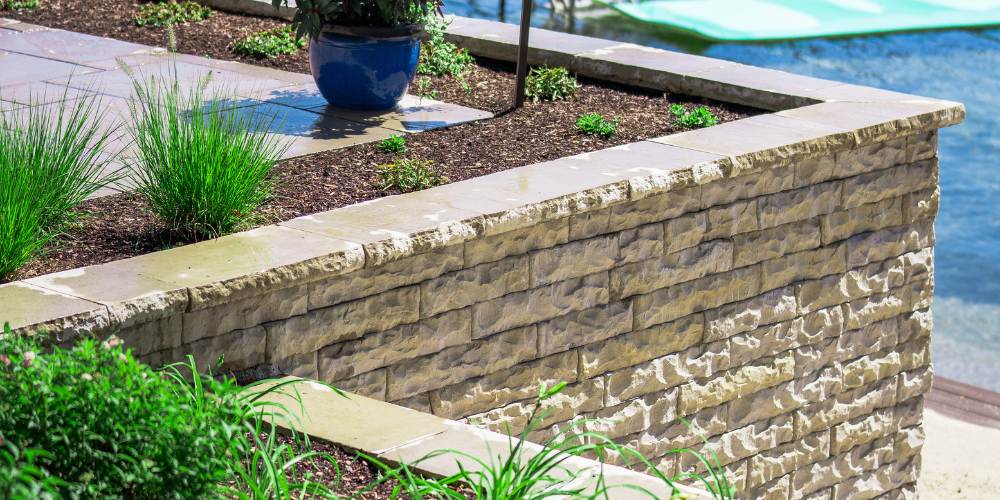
pixel 203 168
pixel 269 44
pixel 50 162
pixel 162 14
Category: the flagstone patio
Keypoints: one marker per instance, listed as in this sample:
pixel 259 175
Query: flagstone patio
pixel 42 67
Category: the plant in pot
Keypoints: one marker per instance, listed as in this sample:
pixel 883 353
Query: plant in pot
pixel 363 53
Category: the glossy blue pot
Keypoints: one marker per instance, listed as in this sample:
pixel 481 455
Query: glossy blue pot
pixel 365 68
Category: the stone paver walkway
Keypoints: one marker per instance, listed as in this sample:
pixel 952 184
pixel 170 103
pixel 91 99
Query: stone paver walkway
pixel 41 66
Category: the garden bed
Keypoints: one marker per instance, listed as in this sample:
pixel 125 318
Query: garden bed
pixel 120 226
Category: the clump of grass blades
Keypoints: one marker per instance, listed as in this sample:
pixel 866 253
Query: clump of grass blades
pixel 202 168
pixel 529 473
pixel 161 14
pixel 50 162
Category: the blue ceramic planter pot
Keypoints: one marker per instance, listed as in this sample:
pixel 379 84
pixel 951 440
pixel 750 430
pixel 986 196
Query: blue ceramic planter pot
pixel 365 68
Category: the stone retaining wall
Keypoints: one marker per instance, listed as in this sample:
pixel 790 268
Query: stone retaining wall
pixel 767 279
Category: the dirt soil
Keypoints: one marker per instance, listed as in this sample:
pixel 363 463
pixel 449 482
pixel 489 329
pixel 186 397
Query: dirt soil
pixel 121 226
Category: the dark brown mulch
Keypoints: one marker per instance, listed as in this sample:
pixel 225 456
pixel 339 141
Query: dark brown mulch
pixel 120 226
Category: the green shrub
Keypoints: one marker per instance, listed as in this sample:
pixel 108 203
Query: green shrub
pixel 269 43
pixel 700 117
pixel 203 169
pixel 21 477
pixel 50 162
pixel 550 84
pixel 596 124
pixel 110 426
pixel 406 175
pixel 439 57
pixel 424 90
pixel 18 4
pixel 392 145
pixel 160 14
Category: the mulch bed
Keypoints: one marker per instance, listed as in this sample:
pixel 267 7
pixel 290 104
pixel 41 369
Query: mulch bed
pixel 120 226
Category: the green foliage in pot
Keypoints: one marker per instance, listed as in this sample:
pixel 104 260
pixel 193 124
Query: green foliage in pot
pixel 311 16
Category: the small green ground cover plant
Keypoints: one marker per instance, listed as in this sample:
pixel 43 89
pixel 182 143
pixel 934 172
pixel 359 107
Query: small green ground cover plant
pixel 596 124
pixel 408 174
pixel 439 57
pixel 550 84
pixel 161 14
pixel 203 168
pixel 269 44
pixel 99 424
pixel 50 162
pixel 520 473
pixel 699 117
pixel 18 4
pixel 392 145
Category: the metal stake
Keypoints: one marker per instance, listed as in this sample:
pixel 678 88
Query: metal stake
pixel 522 54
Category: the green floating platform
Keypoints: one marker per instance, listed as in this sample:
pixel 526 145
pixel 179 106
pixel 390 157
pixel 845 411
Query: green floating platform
pixel 749 20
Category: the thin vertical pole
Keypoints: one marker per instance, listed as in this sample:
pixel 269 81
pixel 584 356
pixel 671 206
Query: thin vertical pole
pixel 502 11
pixel 522 54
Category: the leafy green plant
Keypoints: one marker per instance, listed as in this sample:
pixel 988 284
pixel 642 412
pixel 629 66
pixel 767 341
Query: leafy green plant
pixel 20 477
pixel 550 84
pixel 700 117
pixel 533 474
pixel 311 16
pixel 408 174
pixel 202 168
pixel 269 43
pixel 424 89
pixel 160 14
pixel 439 57
pixel 18 4
pixel 596 124
pixel 392 145
pixel 50 162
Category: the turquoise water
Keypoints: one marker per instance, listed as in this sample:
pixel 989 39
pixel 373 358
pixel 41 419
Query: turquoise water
pixel 959 65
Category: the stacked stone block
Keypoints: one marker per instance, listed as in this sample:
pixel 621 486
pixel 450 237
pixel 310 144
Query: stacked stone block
pixel 783 313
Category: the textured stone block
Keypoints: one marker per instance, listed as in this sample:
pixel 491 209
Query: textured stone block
pixel 845 406
pixel 867 310
pixel 636 415
pixel 503 387
pixel 785 397
pixel 375 280
pixel 369 384
pixel 763 342
pixel 731 319
pixel 465 287
pixel 539 304
pixel 921 146
pixel 861 430
pixel 299 365
pixel 735 218
pixel 915 354
pixel 584 327
pixel 865 486
pixel 730 189
pixel 686 265
pixel 654 208
pixel 666 372
pixel 675 434
pixel 921 205
pixel 784 459
pixel 777 489
pixel 891 183
pixel 879 277
pixel 582 397
pixel 887 243
pixel 869 217
pixel 799 204
pixel 420 402
pixel 347 321
pixel 633 348
pixel 238 349
pixel 520 241
pixel 757 246
pixel 462 362
pixel 874 338
pixel 914 383
pixel 641 243
pixel 915 325
pixel 152 336
pixel 573 260
pixel 685 231
pixel 589 224
pixel 821 324
pixel 878 156
pixel 871 367
pixel 376 350
pixel 909 413
pixel 814 170
pixel 744 442
pixel 810 264
pixel 245 313
pixel 712 291
pixel 909 442
pixel 825 473
pixel 735 383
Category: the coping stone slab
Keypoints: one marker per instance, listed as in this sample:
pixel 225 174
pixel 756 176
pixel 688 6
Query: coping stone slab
pixel 35 309
pixel 884 121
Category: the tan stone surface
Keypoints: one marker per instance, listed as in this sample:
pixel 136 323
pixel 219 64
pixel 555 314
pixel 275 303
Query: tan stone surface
pixel 572 260
pixel 473 285
pixel 646 276
pixel 584 327
pixel 666 372
pixel 800 204
pixel 31 308
pixel 757 246
pixel 539 304
pixel 771 307
pixel 730 189
pixel 630 349
pixel 876 186
pixel 843 224
pixel 735 383
pixel 711 291
pixel 497 246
